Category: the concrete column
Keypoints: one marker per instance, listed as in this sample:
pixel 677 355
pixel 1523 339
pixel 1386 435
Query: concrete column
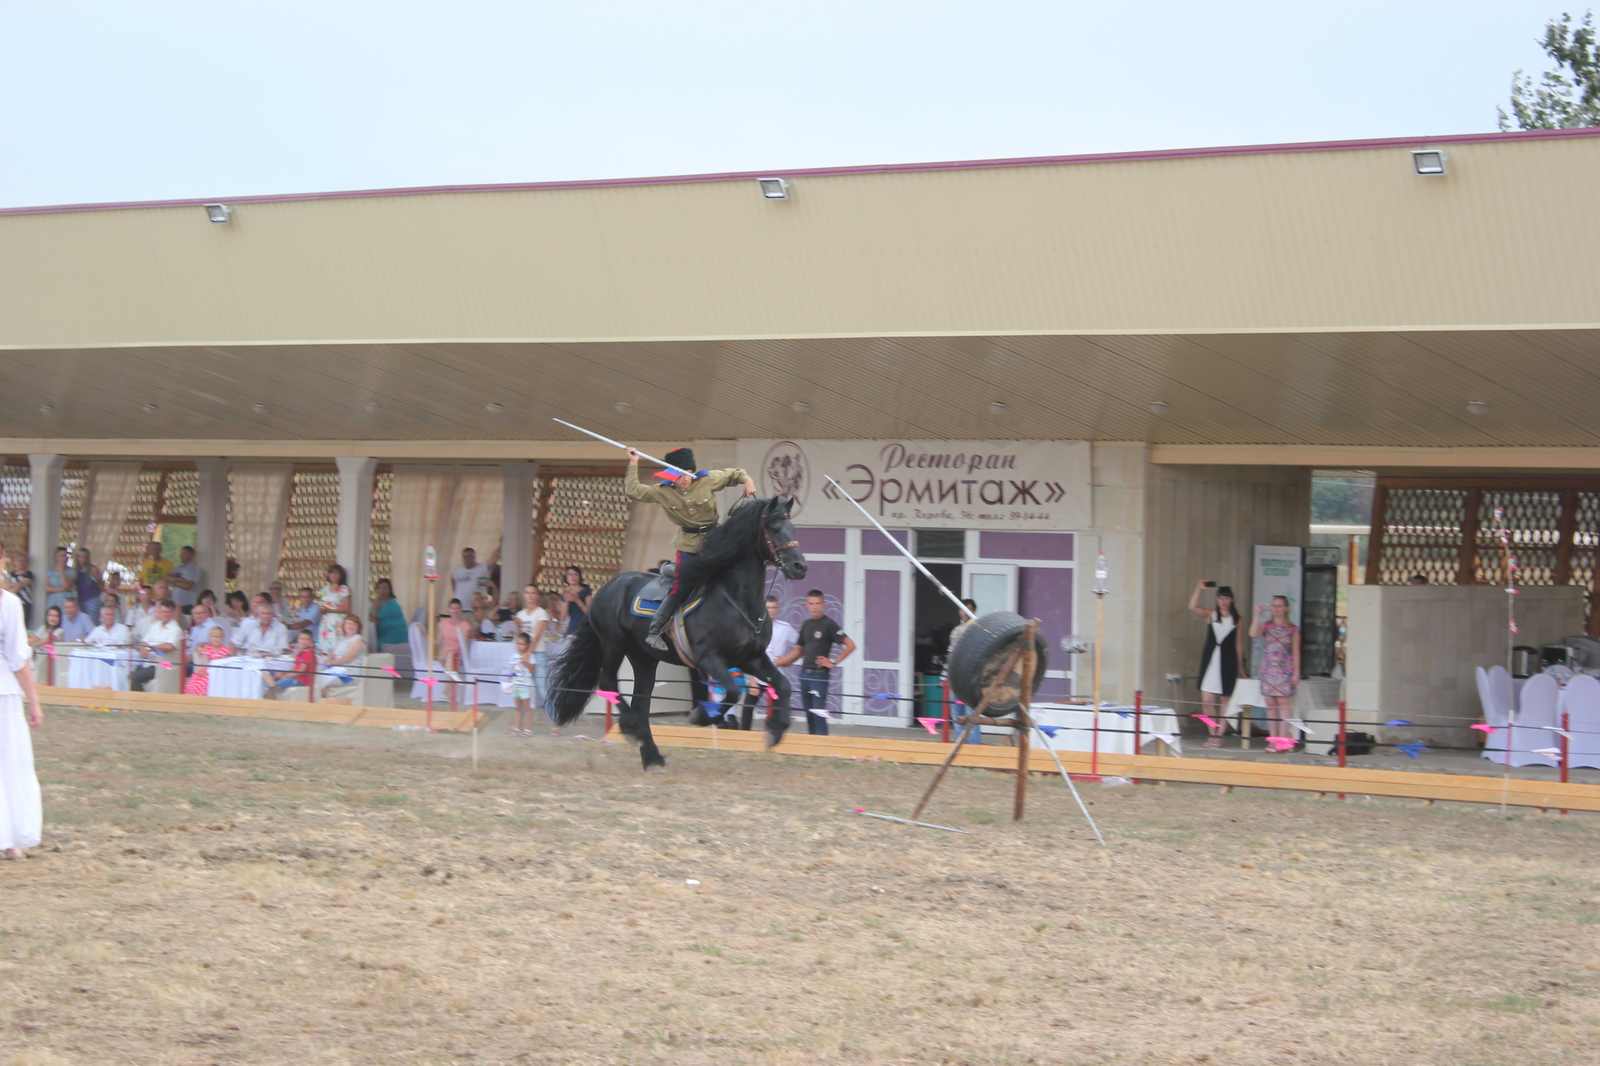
pixel 516 549
pixel 211 526
pixel 44 522
pixel 355 528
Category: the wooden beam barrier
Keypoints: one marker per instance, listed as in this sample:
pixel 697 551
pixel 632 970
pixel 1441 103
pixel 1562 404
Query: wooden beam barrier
pixel 1230 773
pixel 224 707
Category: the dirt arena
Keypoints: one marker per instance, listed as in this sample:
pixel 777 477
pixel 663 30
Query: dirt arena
pixel 218 892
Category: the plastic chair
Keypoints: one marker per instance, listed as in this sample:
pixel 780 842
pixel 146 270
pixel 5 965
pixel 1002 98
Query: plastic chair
pixel 419 654
pixel 1581 702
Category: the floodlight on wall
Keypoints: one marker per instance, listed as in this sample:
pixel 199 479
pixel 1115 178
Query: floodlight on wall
pixel 218 212
pixel 774 188
pixel 1429 162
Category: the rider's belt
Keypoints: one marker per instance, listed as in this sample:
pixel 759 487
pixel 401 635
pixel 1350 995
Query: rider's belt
pixel 697 529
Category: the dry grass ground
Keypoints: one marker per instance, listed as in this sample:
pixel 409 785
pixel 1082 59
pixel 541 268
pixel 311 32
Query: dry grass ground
pixel 218 892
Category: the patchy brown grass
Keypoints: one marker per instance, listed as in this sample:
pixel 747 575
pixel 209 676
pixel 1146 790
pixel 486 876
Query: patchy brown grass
pixel 221 892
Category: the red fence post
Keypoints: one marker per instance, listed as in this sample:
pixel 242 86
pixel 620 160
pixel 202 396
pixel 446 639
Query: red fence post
pixel 1341 745
pixel 945 726
pixel 1566 724
pixel 1138 720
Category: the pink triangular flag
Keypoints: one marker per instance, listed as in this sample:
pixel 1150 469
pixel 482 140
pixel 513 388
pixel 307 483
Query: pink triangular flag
pixel 931 724
pixel 391 670
pixel 607 695
pixel 51 648
pixel 1281 743
pixel 772 694
pixel 1212 722
pixel 1485 728
pixel 165 666
pixel 428 680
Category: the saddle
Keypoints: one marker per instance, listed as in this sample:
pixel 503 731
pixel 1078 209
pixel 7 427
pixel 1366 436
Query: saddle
pixel 649 597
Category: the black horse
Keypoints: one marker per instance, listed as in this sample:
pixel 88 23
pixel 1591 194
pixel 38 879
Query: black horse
pixel 727 632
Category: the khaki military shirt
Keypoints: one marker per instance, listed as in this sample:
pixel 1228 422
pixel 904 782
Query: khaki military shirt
pixel 693 506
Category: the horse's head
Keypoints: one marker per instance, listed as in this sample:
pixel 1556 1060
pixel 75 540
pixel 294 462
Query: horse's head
pixel 779 539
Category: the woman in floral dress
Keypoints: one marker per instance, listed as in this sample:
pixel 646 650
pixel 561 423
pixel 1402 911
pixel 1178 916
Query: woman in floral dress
pixel 333 600
pixel 1279 668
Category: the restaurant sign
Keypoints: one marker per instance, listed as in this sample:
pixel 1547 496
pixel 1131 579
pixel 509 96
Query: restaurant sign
pixel 928 484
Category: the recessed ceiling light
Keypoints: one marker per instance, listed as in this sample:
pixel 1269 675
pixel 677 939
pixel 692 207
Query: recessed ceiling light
pixel 1477 407
pixel 371 408
pixel 493 408
pixel 47 409
pixel 1159 407
pixel 259 408
pixel 997 408
pixel 622 407
pixel 150 408
pixel 800 407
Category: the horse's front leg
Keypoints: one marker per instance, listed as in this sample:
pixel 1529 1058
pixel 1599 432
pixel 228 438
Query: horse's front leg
pixel 778 720
pixel 733 684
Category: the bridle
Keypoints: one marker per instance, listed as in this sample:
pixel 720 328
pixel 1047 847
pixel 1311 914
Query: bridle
pixel 774 549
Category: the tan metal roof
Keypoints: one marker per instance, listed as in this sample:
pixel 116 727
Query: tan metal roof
pixel 1283 241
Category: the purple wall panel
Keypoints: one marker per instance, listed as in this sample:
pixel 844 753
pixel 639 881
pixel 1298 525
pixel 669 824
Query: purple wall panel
pixel 1053 688
pixel 883 683
pixel 881 642
pixel 875 543
pixel 1001 544
pixel 820 539
pixel 1046 594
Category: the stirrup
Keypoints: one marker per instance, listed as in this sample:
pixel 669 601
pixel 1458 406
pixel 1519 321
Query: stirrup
pixel 656 640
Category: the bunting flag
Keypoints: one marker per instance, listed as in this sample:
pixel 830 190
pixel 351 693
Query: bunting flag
pixel 772 694
pixel 1554 753
pixel 1299 723
pixel 1398 721
pixel 391 670
pixel 1212 722
pixel 1125 714
pixel 1050 730
pixel 506 686
pixel 1561 732
pixel 1170 739
pixel 344 679
pixel 51 648
pixel 607 695
pixel 427 680
pixel 1413 749
pixel 888 696
pixel 1485 728
pixel 931 724
pixel 1281 744
pixel 165 665
pixel 713 709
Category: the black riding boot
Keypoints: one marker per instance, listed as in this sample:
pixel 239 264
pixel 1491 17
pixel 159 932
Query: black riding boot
pixel 663 618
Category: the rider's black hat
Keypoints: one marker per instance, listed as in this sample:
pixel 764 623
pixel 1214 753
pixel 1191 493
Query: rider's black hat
pixel 682 458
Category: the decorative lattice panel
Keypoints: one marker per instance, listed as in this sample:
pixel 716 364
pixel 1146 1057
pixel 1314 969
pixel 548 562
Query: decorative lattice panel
pixel 16 492
pixel 310 543
pixel 1422 535
pixel 1532 525
pixel 140 522
pixel 180 497
pixel 1586 539
pixel 382 497
pixel 586 527
pixel 74 484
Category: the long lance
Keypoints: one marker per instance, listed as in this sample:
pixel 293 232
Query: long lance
pixel 624 447
pixel 951 596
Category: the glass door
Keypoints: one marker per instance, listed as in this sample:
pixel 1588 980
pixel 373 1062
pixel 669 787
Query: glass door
pixel 882 624
pixel 992 585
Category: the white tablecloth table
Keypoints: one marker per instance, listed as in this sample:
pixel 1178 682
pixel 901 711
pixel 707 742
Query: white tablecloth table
pixel 1116 726
pixel 489 660
pixel 243 677
pixel 86 666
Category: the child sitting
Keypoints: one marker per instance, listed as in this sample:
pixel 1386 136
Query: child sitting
pixel 305 664
pixel 214 648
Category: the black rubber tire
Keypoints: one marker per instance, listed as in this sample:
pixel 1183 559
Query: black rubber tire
pixel 983 650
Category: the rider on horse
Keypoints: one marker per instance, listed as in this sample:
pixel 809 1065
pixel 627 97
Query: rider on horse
pixel 691 503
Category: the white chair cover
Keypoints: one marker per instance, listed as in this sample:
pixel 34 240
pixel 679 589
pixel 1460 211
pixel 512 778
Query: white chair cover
pixel 418 639
pixel 1561 672
pixel 1494 714
pixel 1581 702
pixel 1530 726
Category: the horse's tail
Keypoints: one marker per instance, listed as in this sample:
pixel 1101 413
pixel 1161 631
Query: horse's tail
pixel 577 674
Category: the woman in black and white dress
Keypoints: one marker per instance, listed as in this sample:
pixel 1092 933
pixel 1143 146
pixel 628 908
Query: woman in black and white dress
pixel 21 812
pixel 1219 660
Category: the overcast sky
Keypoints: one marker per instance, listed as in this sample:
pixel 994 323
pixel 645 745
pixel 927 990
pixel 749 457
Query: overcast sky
pixel 108 101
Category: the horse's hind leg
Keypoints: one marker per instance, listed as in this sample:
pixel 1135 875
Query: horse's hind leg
pixel 634 714
pixel 778 720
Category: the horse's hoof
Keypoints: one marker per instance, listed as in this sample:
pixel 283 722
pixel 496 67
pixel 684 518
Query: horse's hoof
pixel 773 738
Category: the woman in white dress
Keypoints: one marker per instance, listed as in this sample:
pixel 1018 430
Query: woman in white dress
pixel 349 656
pixel 1219 660
pixel 21 810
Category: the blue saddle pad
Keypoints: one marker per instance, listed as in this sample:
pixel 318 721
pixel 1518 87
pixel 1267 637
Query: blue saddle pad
pixel 647 608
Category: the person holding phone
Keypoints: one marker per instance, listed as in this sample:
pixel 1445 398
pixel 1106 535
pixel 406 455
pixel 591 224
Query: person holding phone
pixel 1219 659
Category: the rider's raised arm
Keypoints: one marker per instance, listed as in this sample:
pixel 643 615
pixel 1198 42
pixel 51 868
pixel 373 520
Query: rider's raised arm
pixel 634 489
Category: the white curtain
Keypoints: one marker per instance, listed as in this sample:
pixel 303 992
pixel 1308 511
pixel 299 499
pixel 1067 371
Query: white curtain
pixel 258 502
pixel 106 499
pixel 450 507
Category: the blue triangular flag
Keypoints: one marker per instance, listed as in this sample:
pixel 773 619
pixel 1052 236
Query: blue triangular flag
pixel 1398 721
pixel 1413 749
pixel 888 696
pixel 1050 730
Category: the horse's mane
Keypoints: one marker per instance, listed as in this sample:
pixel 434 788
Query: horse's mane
pixel 736 536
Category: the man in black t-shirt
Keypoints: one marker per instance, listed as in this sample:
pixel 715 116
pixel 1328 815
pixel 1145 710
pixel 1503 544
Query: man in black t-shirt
pixel 818 635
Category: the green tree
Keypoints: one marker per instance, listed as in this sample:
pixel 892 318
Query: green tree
pixel 1567 97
